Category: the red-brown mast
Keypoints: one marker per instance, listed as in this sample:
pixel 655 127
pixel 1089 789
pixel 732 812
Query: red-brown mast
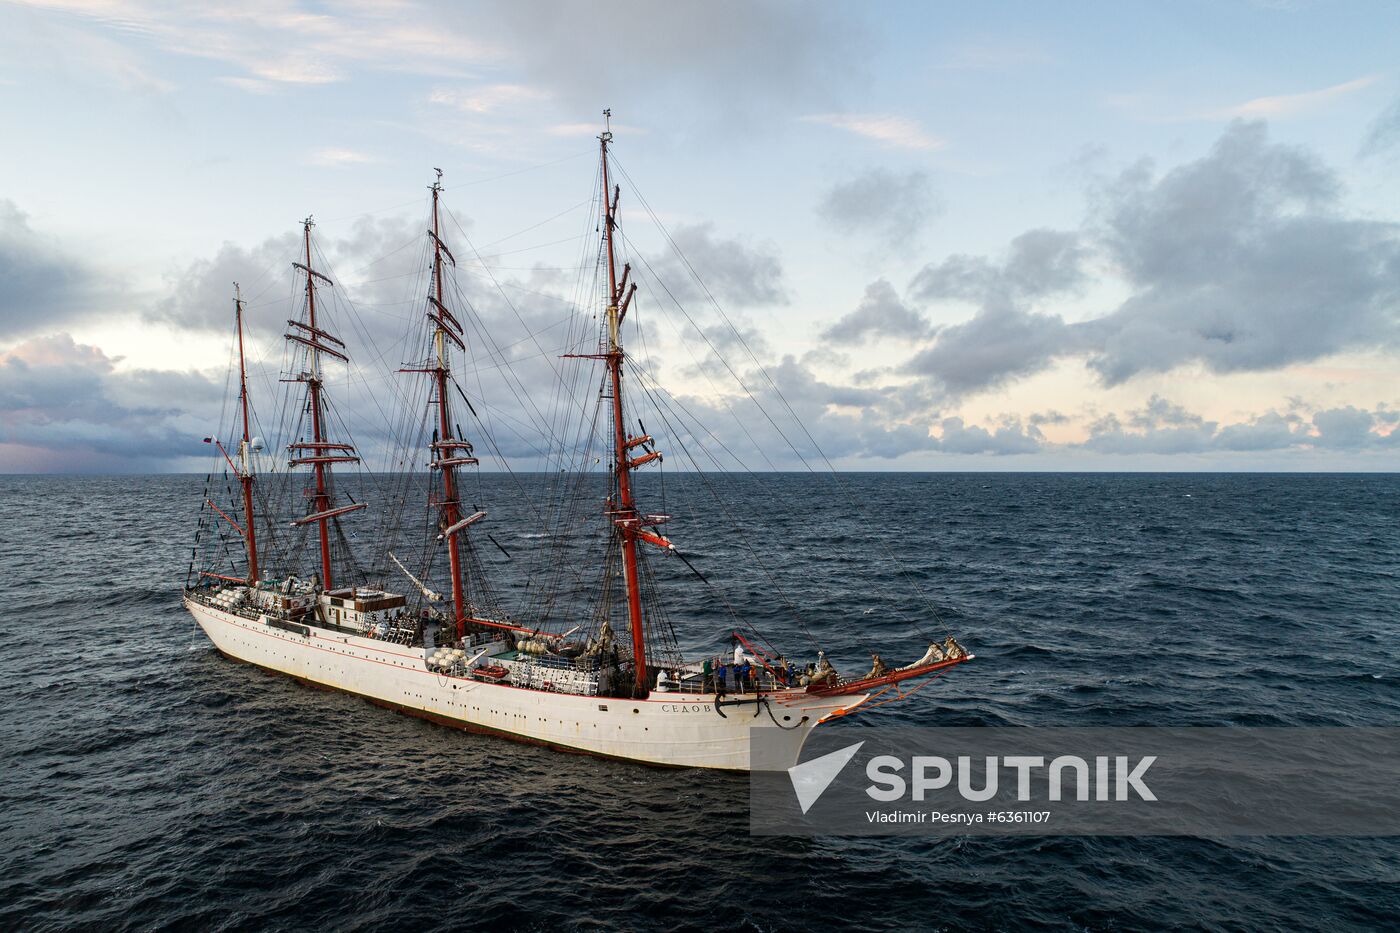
pixel 245 471
pixel 323 502
pixel 444 449
pixel 322 453
pixel 625 516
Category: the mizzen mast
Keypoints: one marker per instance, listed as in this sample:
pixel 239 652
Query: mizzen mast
pixel 318 453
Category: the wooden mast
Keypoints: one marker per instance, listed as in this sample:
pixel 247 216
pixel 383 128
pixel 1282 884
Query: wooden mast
pixel 625 516
pixel 447 443
pixel 245 449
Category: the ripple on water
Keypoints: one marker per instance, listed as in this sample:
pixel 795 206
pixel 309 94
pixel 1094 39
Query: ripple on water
pixel 152 784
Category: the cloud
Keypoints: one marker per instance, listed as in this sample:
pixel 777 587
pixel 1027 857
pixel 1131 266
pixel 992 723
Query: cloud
pixel 332 158
pixel 516 332
pixel 1242 260
pixel 880 314
pixel 1003 340
pixel 1165 109
pixel 957 437
pixel 734 272
pixel 41 285
pixel 285 44
pixel 1038 418
pixel 726 60
pixel 200 296
pixel 893 131
pixel 1161 427
pixel 64 407
pixel 894 207
pixel 1384 133
pixel 487 98
pixel 375 261
pixel 1288 104
pixel 1038 263
pixel 251 85
pixel 1348 428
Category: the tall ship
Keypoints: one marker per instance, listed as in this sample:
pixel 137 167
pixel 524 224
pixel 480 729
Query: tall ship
pixel 389 583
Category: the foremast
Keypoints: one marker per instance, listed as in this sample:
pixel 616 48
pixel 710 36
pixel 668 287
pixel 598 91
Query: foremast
pixel 622 506
pixel 449 452
pixel 318 453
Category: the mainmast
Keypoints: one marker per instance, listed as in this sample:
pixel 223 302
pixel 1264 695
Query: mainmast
pixel 318 453
pixel 245 449
pixel 626 519
pixel 446 445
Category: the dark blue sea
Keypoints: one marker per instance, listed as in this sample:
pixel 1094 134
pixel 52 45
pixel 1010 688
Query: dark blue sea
pixel 151 784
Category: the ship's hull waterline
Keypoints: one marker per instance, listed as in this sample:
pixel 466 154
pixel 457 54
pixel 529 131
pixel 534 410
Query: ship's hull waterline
pixel 669 729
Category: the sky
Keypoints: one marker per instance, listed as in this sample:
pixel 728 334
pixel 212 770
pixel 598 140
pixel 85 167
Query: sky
pixel 1002 236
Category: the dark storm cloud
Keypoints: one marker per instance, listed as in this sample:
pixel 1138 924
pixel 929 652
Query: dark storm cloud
pixel 1242 260
pixel 41 284
pixel 880 314
pixel 890 206
pixel 70 408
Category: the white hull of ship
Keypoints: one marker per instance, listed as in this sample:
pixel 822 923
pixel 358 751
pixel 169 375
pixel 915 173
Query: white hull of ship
pixel 675 729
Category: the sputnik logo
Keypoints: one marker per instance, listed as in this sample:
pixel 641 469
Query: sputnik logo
pixel 810 779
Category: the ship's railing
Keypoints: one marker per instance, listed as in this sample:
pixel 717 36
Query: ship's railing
pixel 758 681
pixel 544 660
pixel 560 675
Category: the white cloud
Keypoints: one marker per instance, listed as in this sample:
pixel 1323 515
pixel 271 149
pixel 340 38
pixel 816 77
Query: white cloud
pixel 486 98
pixel 894 131
pixel 1283 105
pixel 251 85
pixel 286 44
pixel 339 157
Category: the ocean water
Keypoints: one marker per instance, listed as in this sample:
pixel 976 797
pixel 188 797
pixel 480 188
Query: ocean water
pixel 150 784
